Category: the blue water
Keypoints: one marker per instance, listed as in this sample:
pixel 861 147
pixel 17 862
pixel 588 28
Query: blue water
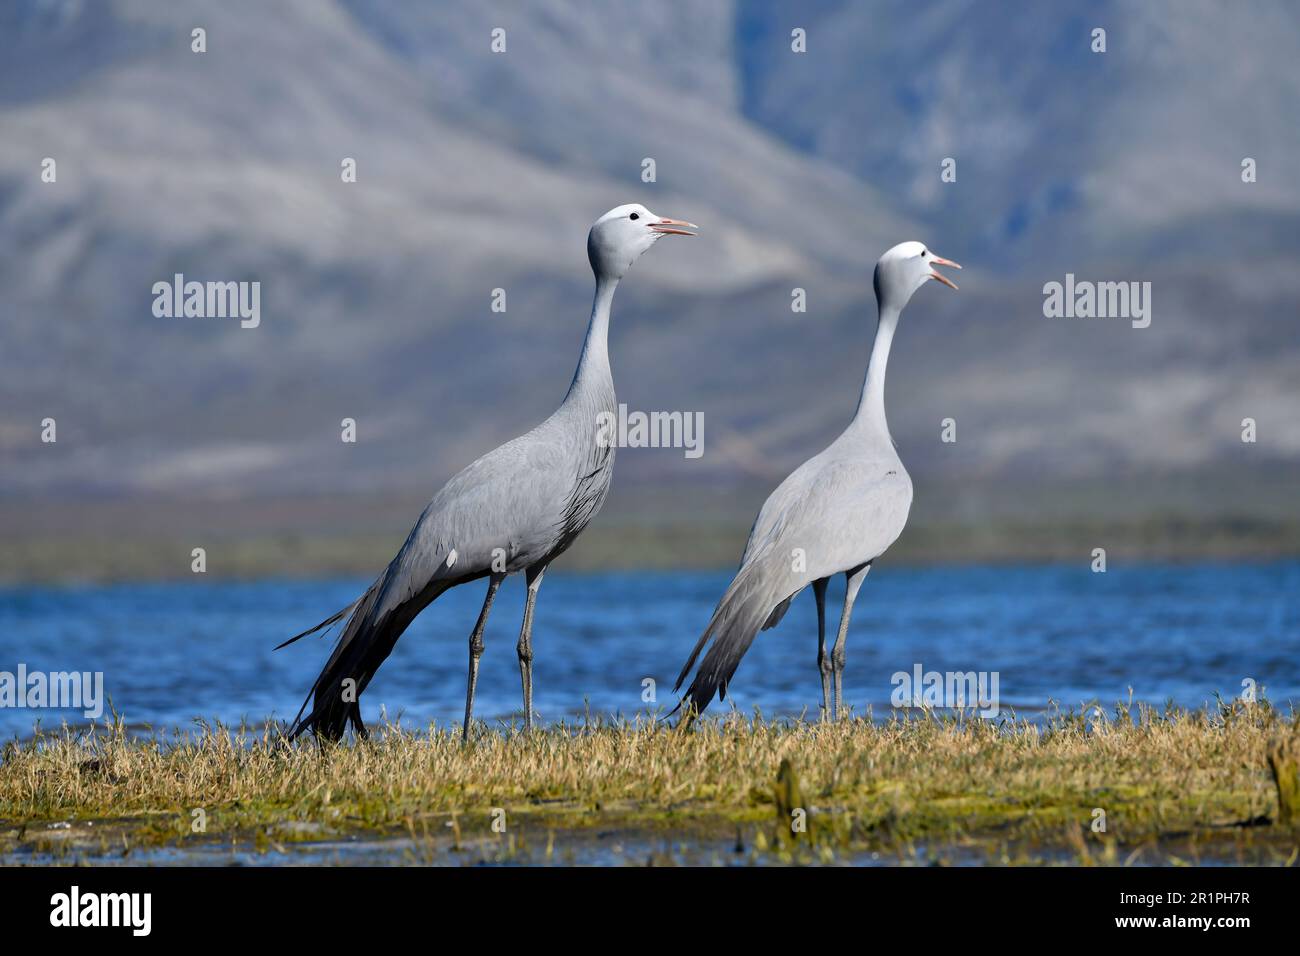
pixel 173 652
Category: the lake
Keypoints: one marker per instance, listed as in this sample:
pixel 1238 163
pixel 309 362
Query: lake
pixel 171 652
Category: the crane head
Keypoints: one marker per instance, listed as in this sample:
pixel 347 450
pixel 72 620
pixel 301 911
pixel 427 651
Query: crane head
pixel 618 238
pixel 905 268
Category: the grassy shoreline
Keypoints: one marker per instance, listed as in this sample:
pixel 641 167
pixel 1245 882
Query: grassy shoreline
pixel 1175 786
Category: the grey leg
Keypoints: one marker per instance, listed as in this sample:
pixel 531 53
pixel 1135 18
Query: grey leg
pixel 476 650
pixel 854 581
pixel 525 645
pixel 823 659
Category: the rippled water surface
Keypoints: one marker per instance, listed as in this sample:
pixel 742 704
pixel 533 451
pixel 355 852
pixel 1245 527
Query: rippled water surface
pixel 171 652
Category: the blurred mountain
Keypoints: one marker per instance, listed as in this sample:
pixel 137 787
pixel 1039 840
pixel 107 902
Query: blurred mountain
pixel 480 170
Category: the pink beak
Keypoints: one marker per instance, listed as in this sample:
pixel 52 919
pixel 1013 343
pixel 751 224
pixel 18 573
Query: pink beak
pixel 941 261
pixel 673 227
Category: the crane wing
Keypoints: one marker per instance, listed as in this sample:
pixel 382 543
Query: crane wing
pixel 836 516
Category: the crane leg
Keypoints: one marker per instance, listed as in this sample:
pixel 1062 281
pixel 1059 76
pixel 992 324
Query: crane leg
pixel 823 659
pixel 476 650
pixel 854 581
pixel 525 646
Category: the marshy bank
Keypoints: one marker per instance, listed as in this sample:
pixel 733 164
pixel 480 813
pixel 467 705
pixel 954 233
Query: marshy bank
pixel 1130 786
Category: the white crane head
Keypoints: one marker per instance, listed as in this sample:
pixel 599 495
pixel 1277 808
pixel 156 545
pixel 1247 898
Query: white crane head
pixel 618 238
pixel 904 269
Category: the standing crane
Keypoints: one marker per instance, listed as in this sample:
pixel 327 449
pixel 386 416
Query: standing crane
pixel 514 510
pixel 836 513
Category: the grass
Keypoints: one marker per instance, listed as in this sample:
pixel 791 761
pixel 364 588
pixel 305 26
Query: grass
pixel 1175 785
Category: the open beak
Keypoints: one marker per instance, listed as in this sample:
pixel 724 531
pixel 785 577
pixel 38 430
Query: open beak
pixel 673 227
pixel 941 261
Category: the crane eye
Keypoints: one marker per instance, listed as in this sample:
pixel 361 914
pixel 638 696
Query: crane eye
pixel 635 216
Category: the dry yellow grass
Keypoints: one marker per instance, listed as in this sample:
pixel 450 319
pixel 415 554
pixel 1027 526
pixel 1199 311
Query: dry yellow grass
pixel 869 786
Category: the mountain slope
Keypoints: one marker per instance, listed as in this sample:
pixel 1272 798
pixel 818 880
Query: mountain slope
pixel 479 171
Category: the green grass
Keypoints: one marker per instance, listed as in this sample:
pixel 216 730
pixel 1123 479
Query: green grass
pixel 1177 784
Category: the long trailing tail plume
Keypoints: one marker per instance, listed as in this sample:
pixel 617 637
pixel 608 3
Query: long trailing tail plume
pixel 364 644
pixel 751 603
pixel 374 623
pixel 328 622
pixel 332 708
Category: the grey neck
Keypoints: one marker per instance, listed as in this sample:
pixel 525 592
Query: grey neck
pixel 870 417
pixel 593 376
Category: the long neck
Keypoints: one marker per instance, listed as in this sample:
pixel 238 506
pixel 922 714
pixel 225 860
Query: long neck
pixel 593 374
pixel 871 407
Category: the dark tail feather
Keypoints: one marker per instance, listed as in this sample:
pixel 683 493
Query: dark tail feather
pixel 773 620
pixel 687 718
pixel 321 626
pixel 695 652
pixel 745 608
pixel 720 663
pixel 353 658
pixel 364 645
pixel 778 612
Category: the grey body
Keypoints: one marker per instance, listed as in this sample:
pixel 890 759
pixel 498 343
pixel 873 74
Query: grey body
pixel 835 514
pixel 514 510
pixel 520 505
